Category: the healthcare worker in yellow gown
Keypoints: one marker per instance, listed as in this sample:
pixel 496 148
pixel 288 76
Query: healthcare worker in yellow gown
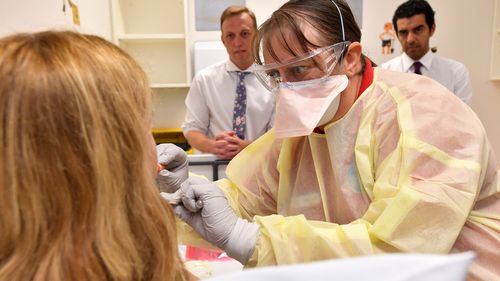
pixel 361 160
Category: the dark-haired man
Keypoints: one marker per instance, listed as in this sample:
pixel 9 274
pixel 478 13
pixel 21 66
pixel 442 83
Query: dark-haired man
pixel 414 24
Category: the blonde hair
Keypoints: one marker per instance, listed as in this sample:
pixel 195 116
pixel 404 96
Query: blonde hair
pixel 237 10
pixel 77 195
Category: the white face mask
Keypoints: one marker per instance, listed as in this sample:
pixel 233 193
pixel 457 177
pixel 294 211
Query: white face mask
pixel 302 106
pixel 330 112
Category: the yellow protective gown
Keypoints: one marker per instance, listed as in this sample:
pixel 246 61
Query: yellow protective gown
pixel 407 169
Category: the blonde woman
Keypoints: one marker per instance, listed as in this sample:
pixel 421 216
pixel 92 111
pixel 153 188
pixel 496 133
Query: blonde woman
pixel 77 162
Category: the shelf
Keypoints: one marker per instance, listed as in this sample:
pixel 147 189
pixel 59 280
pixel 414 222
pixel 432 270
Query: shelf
pixel 168 107
pixel 150 16
pixel 151 36
pixel 164 61
pixel 154 33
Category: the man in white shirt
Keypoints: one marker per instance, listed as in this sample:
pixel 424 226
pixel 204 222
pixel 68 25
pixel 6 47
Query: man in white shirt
pixel 209 126
pixel 414 24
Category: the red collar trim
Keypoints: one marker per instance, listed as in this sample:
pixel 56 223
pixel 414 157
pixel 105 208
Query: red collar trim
pixel 318 131
pixel 367 79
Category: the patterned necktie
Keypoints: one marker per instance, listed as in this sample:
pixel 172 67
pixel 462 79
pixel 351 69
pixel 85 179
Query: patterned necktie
pixel 240 106
pixel 416 67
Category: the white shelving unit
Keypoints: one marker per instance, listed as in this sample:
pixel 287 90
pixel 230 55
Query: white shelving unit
pixel 155 32
pixel 495 44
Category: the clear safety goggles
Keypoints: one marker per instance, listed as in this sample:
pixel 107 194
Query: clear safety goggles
pixel 316 64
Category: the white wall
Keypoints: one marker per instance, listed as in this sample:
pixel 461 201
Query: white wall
pixel 463 32
pixel 34 15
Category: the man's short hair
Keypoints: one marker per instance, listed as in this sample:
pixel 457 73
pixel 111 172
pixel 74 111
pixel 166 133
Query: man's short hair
pixel 236 10
pixel 414 7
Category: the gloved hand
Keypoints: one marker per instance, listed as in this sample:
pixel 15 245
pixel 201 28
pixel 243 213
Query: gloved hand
pixel 216 222
pixel 175 167
pixel 176 197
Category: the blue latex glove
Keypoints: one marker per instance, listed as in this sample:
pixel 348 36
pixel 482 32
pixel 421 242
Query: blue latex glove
pixel 216 222
pixel 175 167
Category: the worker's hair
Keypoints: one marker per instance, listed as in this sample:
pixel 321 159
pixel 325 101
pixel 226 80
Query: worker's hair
pixel 77 193
pixel 291 18
pixel 237 10
pixel 411 8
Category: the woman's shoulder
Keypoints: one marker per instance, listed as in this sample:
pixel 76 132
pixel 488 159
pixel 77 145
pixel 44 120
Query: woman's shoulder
pixel 403 86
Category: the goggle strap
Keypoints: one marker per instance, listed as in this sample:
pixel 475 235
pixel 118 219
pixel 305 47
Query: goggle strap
pixel 341 20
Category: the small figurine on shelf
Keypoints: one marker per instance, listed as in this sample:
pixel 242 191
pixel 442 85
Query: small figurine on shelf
pixel 387 37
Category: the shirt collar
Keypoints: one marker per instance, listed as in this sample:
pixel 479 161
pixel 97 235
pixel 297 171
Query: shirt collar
pixel 231 67
pixel 426 61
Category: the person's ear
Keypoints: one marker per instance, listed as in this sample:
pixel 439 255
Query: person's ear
pixel 352 59
pixel 433 28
